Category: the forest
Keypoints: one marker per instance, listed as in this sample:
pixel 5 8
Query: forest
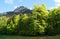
pixel 40 22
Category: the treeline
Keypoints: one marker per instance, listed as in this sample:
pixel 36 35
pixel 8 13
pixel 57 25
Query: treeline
pixel 40 22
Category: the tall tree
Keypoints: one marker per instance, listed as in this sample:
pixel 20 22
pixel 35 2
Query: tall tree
pixel 40 13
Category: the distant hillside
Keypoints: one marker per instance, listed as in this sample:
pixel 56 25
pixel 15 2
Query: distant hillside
pixel 18 10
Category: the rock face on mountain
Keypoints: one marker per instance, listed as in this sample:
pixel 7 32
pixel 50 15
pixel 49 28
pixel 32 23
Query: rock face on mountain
pixel 18 10
pixel 22 10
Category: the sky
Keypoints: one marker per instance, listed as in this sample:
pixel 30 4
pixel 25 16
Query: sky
pixel 10 5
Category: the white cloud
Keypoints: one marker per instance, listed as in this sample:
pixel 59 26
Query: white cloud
pixel 53 7
pixel 57 1
pixel 30 8
pixel 58 4
pixel 15 7
pixel 9 1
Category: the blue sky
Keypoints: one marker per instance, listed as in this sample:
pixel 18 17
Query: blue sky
pixel 10 5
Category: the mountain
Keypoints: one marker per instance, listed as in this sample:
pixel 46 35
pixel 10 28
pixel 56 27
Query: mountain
pixel 22 10
pixel 18 10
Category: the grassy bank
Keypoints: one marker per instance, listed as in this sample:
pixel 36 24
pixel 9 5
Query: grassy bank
pixel 20 37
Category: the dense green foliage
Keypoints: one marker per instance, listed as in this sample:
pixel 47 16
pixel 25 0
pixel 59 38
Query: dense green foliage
pixel 54 21
pixel 40 22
